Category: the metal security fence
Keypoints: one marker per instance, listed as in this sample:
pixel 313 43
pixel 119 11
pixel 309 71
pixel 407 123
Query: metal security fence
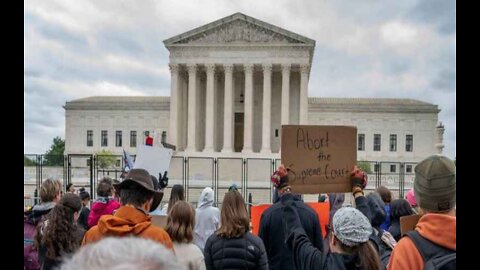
pixel 251 175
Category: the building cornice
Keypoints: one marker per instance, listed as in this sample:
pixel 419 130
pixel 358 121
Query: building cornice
pixel 370 105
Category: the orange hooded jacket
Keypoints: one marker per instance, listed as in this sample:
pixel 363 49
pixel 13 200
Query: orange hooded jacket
pixel 438 228
pixel 127 221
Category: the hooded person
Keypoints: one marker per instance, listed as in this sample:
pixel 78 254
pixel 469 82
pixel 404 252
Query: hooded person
pixel 137 194
pixel 272 221
pixel 207 218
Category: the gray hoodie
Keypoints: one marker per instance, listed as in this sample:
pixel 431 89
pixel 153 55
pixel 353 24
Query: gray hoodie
pixel 207 218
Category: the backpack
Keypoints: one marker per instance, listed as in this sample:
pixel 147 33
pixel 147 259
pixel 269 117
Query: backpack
pixel 30 254
pixel 434 256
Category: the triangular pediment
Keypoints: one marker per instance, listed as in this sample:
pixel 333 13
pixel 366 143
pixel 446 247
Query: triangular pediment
pixel 238 28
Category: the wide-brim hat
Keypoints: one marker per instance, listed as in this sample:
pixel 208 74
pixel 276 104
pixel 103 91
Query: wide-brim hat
pixel 142 178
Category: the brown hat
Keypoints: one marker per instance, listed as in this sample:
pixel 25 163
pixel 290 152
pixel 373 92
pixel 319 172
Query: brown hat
pixel 143 178
pixel 435 184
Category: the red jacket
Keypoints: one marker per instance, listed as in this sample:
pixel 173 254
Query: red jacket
pixel 99 209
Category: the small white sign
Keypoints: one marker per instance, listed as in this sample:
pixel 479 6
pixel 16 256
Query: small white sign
pixel 153 159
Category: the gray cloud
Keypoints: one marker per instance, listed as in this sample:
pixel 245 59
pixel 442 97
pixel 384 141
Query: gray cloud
pixel 441 13
pixel 445 80
pixel 77 49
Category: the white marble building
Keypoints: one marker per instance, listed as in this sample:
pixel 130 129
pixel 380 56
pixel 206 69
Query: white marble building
pixel 234 82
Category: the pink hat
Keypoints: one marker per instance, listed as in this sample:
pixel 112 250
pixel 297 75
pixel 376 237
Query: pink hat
pixel 411 198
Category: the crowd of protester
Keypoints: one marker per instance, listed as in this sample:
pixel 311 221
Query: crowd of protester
pixel 116 231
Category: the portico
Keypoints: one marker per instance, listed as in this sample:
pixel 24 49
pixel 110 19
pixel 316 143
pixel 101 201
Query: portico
pixel 234 82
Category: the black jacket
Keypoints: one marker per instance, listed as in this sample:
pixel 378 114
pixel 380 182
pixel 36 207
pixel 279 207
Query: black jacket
pixel 394 229
pixel 83 218
pixel 304 254
pixel 246 252
pixel 272 233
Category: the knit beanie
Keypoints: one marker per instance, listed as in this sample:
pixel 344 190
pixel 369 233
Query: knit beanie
pixel 435 184
pixel 351 227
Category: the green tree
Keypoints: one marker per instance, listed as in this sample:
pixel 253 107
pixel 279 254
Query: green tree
pixel 105 159
pixel 28 162
pixel 54 156
pixel 365 166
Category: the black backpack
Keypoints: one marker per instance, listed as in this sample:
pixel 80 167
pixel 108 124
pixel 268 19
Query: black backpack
pixel 434 256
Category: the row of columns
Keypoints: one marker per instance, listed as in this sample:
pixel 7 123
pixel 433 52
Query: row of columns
pixel 228 126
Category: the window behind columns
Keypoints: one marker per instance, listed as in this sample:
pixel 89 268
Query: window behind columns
pixel 361 142
pixel 133 138
pixel 377 142
pixel 393 142
pixel 118 138
pixel 104 138
pixel 409 143
pixel 89 137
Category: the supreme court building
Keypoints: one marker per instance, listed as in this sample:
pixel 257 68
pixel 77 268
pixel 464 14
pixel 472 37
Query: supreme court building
pixel 234 82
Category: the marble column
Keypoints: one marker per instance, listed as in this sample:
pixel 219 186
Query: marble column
pixel 228 114
pixel 267 104
pixel 210 104
pixel 174 107
pixel 303 114
pixel 285 94
pixel 192 107
pixel 248 112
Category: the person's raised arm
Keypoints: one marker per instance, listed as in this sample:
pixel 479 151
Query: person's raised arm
pixel 305 255
pixel 359 181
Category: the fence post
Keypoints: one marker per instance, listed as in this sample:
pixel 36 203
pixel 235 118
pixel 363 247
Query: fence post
pixel 250 205
pixel 401 179
pixel 35 196
pixel 215 179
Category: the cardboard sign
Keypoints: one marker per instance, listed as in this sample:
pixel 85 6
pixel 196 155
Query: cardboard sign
pixel 159 221
pixel 408 223
pixel 153 159
pixel 320 157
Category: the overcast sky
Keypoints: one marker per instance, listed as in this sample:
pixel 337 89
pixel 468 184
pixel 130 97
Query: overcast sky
pixel 75 49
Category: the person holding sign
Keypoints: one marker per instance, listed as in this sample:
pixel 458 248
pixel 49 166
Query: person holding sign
pixel 349 245
pixel 271 223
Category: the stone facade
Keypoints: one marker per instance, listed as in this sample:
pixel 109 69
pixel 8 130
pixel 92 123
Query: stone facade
pixel 234 82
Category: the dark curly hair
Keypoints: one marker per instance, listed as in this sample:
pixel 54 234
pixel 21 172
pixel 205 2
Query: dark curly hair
pixel 57 233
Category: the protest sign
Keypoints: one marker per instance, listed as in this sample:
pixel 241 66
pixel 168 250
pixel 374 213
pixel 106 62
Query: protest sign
pixel 320 157
pixel 153 159
pixel 408 223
